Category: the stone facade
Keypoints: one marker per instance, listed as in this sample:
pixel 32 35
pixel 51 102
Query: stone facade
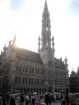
pixel 21 69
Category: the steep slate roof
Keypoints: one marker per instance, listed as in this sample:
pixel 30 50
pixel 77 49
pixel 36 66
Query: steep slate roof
pixel 25 54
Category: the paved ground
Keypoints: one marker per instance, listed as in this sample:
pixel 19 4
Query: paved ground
pixel 57 103
pixel 43 104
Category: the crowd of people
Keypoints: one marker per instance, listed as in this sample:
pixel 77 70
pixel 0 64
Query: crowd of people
pixel 34 99
pixel 24 99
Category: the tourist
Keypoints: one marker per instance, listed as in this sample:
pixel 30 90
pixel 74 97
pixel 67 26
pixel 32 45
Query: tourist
pixel 33 99
pixel 27 100
pixel 12 101
pixel 46 99
pixel 21 100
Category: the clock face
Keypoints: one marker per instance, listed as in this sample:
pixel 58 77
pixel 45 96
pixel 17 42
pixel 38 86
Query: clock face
pixel 46 28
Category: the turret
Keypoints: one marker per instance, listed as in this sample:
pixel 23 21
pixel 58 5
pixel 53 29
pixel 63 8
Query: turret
pixel 39 44
pixel 53 49
pixel 10 52
pixel 66 62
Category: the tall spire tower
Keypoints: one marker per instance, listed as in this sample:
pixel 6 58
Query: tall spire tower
pixel 46 33
pixel 46 50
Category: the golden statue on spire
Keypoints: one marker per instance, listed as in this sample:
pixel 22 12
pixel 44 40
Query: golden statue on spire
pixel 14 41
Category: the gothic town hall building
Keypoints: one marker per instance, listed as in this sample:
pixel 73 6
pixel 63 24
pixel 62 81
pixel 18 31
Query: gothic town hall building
pixel 21 69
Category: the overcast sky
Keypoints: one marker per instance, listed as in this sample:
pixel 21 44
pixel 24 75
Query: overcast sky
pixel 23 18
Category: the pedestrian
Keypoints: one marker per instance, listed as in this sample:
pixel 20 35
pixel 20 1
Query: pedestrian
pixel 50 98
pixel 33 100
pixel 63 101
pixel 27 100
pixel 0 100
pixel 7 99
pixel 21 100
pixel 66 99
pixel 12 101
pixel 3 101
pixel 37 99
pixel 46 99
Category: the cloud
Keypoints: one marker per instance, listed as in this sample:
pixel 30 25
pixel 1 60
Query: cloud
pixel 15 4
pixel 75 3
pixel 74 7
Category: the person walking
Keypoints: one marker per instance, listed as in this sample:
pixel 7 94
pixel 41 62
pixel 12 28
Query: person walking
pixel 66 100
pixel 3 101
pixel 37 99
pixel 21 100
pixel 12 101
pixel 46 99
pixel 27 100
pixel 33 99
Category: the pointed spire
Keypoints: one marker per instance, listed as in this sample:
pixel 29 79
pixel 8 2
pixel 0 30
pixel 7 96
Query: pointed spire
pixel 4 48
pixel 53 42
pixel 53 49
pixel 39 44
pixel 46 6
pixel 65 60
pixel 46 28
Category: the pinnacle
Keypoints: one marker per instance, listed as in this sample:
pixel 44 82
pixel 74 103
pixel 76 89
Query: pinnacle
pixel 46 4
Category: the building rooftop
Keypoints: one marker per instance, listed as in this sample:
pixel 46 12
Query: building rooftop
pixel 25 54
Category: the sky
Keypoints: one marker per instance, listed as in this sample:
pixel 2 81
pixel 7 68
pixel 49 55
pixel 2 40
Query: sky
pixel 24 18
